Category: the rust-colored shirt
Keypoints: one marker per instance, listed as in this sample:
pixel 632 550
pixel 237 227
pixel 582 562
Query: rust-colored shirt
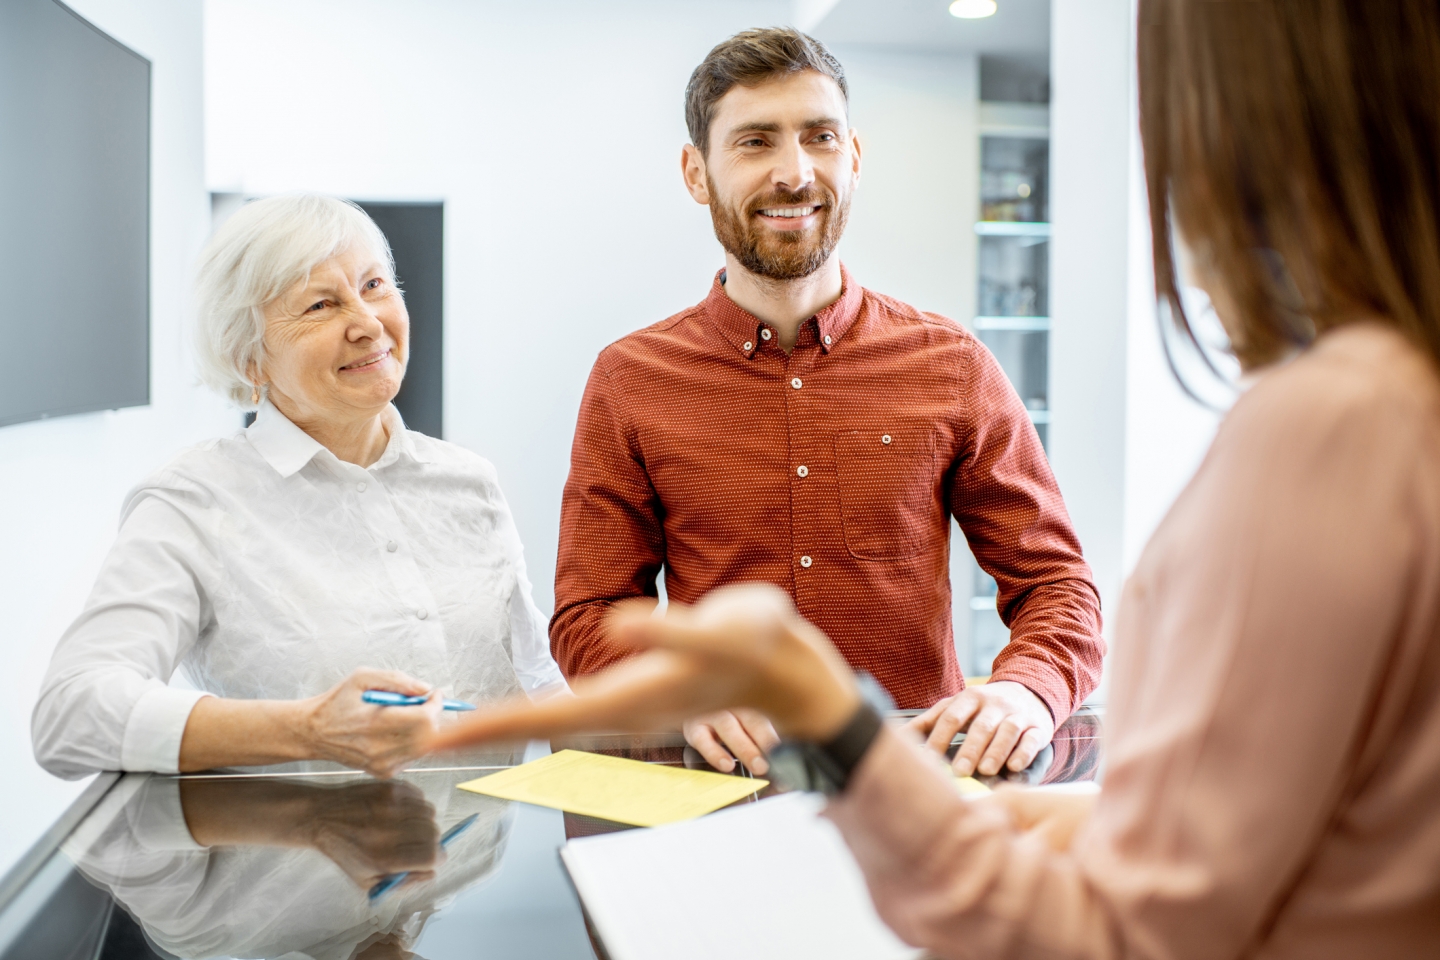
pixel 831 472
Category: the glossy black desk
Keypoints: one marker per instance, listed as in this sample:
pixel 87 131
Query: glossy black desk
pixel 292 855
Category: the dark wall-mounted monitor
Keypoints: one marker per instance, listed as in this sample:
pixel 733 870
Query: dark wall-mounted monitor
pixel 74 215
pixel 416 232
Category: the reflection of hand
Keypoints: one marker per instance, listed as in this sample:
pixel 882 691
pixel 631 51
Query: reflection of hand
pixel 742 646
pixel 725 735
pixel 371 830
pixel 388 947
pixel 1003 721
pixel 1053 816
pixel 368 829
pixel 340 726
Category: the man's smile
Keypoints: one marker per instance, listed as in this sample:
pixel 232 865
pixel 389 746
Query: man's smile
pixel 789 218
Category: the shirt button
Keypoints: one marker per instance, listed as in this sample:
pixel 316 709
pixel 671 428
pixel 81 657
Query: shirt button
pixel 885 439
pixel 422 614
pixel 749 346
pixel 392 546
pixel 361 486
pixel 796 383
pixel 827 340
pixel 765 333
pixel 802 470
pixel 805 562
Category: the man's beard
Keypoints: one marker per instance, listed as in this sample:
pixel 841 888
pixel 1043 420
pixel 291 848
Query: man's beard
pixel 775 254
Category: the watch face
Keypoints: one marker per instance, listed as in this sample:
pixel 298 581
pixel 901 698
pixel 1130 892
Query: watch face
pixel 795 766
pixel 789 766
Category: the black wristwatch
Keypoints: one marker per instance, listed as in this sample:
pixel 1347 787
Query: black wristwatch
pixel 826 767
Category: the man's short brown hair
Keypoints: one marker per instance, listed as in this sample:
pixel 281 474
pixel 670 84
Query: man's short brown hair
pixel 748 59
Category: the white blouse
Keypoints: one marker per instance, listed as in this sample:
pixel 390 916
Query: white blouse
pixel 263 567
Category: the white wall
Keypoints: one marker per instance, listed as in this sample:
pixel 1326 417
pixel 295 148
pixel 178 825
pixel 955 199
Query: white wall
pixel 911 230
pixel 553 135
pixel 1124 439
pixel 1090 129
pixel 1169 432
pixel 62 481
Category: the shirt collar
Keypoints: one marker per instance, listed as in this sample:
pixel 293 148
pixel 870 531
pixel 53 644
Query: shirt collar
pixel 288 449
pixel 742 329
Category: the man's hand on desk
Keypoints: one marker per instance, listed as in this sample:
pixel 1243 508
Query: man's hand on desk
pixel 747 735
pixel 1004 723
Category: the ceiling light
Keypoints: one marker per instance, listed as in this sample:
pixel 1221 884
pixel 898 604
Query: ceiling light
pixel 972 9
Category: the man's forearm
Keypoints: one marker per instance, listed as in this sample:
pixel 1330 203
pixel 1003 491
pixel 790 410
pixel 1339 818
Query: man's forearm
pixel 1056 648
pixel 577 638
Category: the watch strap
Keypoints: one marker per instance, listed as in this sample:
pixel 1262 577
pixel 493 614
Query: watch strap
pixel 842 754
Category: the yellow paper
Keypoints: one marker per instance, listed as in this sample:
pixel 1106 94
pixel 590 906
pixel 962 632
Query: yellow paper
pixel 612 788
pixel 969 786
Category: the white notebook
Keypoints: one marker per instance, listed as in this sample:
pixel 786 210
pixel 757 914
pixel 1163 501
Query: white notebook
pixel 767 879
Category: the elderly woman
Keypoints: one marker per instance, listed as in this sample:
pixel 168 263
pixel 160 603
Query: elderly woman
pixel 323 551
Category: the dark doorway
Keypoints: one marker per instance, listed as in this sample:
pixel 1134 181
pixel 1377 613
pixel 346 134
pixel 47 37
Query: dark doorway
pixel 416 232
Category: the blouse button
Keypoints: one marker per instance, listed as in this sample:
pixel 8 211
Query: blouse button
pixel 422 614
pixel 802 470
pixel 749 346
pixel 885 439
pixel 392 546
pixel 361 486
pixel 796 383
pixel 765 333
pixel 805 562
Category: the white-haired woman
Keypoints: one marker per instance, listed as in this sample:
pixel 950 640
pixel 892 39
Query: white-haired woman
pixel 323 551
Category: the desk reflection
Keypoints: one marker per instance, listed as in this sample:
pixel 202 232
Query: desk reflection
pixel 265 868
pixel 280 864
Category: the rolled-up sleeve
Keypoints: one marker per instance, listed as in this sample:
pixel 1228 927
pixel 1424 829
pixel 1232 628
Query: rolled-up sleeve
pixel 1009 506
pixel 106 702
pixel 536 669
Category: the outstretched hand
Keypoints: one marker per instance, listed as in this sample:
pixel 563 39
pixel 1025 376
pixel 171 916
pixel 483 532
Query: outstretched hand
pixel 742 646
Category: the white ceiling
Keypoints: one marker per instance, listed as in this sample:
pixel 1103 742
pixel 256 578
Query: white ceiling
pixel 1019 27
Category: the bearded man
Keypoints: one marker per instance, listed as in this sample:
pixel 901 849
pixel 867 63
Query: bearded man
pixel 798 429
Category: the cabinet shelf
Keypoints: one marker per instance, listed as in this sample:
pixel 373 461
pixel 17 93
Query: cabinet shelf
pixel 1017 324
pixel 1011 228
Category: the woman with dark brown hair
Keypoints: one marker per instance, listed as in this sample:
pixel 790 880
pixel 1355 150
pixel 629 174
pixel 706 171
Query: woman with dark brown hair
pixel 1272 786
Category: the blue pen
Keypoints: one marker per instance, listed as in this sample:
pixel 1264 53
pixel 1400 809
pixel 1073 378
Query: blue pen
pixel 386 884
pixel 389 698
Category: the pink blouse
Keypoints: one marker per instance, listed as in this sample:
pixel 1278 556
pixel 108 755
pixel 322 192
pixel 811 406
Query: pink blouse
pixel 1272 781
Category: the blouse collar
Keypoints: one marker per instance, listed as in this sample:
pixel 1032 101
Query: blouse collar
pixel 288 449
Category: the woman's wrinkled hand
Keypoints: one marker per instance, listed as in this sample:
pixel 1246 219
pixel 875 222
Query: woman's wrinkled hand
pixel 742 646
pixel 340 726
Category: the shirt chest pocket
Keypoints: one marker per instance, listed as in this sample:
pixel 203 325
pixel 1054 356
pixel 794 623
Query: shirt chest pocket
pixel 888 500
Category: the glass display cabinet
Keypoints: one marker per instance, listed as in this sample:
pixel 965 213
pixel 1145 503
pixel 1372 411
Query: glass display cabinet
pixel 1013 309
